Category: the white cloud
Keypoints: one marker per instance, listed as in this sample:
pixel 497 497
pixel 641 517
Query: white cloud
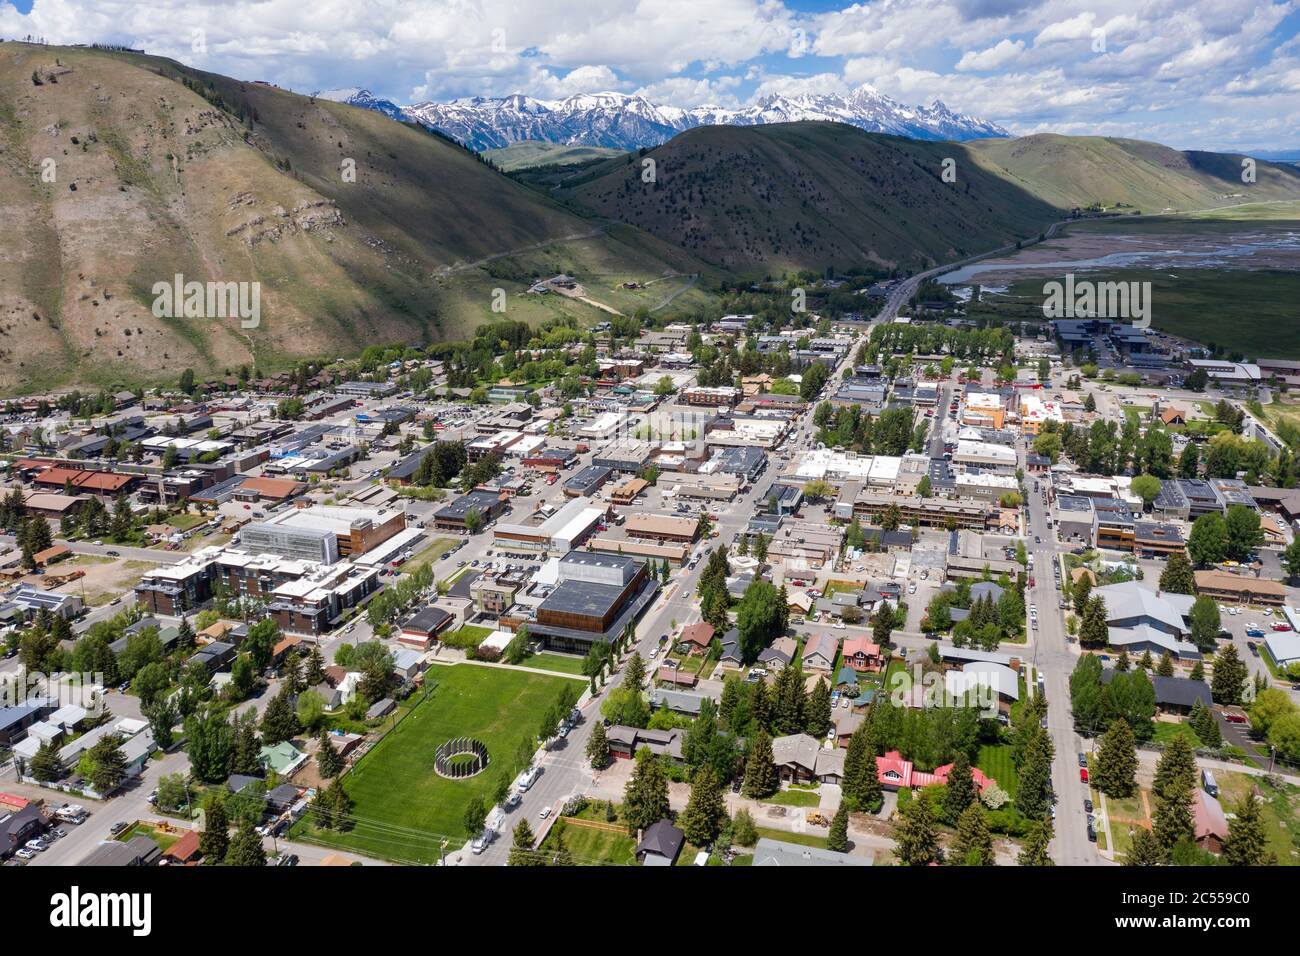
pixel 1226 69
pixel 1001 53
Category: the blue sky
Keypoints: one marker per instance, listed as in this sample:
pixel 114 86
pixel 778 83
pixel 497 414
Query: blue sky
pixel 1209 74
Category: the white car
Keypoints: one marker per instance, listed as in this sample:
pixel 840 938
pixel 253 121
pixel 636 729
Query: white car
pixel 24 854
pixel 838 625
pixel 545 812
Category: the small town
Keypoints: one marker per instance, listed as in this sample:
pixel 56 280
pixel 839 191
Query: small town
pixel 829 593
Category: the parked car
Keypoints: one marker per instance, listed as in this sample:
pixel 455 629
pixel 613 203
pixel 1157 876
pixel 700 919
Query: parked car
pixel 1280 626
pixel 1254 648
pixel 1254 632
pixel 1087 805
pixel 1083 774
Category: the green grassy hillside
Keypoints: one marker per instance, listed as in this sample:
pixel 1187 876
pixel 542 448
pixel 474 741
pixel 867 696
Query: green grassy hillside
pixel 157 169
pixel 763 199
pixel 1069 171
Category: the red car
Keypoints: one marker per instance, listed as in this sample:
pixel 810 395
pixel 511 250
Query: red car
pixel 1281 626
pixel 1083 774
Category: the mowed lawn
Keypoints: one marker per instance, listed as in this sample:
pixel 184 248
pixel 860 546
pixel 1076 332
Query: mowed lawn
pixel 402 807
pixel 595 843
pixel 996 762
pixel 560 663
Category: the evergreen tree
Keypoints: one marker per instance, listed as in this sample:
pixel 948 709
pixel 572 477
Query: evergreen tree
pixel 974 846
pixel 1203 724
pixel 760 771
pixel 1093 629
pixel 916 839
pixel 1117 761
pixel 314 670
pixel 46 766
pixel 108 764
pixel 645 798
pixel 328 762
pixel 837 840
pixel 279 722
pixel 705 812
pixel 1144 848
pixel 246 747
pixel 1166 666
pixel 340 805
pixel 598 747
pixel 185 634
pixel 1032 796
pixel 818 710
pixel 1177 576
pixel 634 673
pixel 215 838
pixel 1033 852
pixel 1081 591
pixel 246 847
pixel 521 849
pixel 1175 781
pixel 1247 843
pixel 1122 663
pixel 861 784
pixel 1229 679
pixel 790 699
pixel 559 853
pixel 475 816
pixel 959 794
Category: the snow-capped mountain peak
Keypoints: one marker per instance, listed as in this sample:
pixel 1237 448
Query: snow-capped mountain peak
pixel 630 121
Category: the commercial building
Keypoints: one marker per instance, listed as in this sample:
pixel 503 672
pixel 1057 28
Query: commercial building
pixel 722 396
pixel 662 528
pixel 1242 588
pixel 488 504
pixel 985 456
pixel 588 481
pixel 355 530
pixel 595 597
pixel 557 533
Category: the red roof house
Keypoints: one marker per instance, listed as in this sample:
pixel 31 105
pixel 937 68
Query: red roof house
pixel 895 773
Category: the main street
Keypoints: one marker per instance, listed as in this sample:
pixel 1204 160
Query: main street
pixel 1053 658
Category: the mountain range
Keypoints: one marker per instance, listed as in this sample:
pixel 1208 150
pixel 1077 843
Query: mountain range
pixel 120 171
pixel 629 121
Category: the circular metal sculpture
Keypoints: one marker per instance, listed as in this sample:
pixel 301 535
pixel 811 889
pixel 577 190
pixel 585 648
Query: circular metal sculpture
pixel 461 757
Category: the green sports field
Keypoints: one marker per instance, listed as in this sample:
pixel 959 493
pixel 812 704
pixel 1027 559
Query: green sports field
pixel 401 806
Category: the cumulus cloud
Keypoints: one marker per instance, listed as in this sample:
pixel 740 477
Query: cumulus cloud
pixel 1000 54
pixel 1218 72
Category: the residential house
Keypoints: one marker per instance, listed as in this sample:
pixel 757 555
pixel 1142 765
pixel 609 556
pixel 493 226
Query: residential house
pixel 862 654
pixel 819 653
pixel 697 637
pixel 660 845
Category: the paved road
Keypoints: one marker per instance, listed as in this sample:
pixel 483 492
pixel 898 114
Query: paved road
pixel 1053 656
pixel 126 552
